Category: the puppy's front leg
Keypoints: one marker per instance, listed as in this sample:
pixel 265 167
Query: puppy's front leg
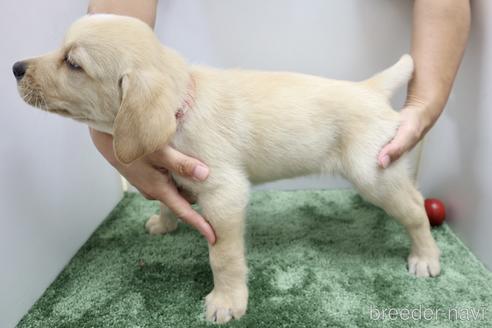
pixel 163 223
pixel 225 210
pixel 167 221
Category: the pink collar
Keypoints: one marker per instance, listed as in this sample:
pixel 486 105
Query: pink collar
pixel 188 101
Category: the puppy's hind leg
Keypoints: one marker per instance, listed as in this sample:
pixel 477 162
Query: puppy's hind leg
pixel 392 190
pixel 159 224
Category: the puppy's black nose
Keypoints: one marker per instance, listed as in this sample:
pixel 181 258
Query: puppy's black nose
pixel 19 70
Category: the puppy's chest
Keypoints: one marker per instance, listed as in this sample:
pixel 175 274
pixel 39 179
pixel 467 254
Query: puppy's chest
pixel 185 184
pixel 218 150
pixel 186 142
pixel 189 147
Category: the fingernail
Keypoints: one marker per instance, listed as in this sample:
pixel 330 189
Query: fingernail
pixel 385 161
pixel 200 172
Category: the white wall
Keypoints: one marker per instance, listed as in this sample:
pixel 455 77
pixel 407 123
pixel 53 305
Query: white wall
pixel 457 159
pixel 54 186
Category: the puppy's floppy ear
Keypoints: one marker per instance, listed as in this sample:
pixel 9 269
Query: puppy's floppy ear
pixel 146 118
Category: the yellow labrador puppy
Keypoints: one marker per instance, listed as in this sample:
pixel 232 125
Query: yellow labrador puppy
pixel 247 126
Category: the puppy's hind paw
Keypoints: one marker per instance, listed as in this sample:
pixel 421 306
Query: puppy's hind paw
pixel 424 266
pixel 158 226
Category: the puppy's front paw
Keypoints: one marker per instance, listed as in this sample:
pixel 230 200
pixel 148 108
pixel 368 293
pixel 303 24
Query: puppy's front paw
pixel 157 226
pixel 424 265
pixel 222 307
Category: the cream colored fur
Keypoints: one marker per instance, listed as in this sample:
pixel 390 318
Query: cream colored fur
pixel 247 126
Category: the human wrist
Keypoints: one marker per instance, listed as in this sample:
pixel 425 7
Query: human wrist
pixel 428 109
pixel 143 10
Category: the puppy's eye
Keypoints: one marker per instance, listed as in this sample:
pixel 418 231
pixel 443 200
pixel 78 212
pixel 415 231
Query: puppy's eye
pixel 71 64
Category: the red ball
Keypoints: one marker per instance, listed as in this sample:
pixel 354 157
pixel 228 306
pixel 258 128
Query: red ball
pixel 436 212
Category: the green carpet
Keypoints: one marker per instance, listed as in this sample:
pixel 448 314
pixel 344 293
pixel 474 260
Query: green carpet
pixel 316 259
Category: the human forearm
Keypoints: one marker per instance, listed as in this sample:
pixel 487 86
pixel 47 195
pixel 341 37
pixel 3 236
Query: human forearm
pixel 141 9
pixel 439 35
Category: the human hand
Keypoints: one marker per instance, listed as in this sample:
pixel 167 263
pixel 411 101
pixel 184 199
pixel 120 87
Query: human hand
pixel 439 33
pixel 414 124
pixel 150 176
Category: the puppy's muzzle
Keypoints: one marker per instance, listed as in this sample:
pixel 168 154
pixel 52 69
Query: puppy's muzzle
pixel 19 69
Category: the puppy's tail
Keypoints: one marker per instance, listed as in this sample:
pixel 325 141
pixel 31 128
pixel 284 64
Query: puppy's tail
pixel 392 78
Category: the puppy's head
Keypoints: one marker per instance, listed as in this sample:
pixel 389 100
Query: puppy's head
pixel 112 73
